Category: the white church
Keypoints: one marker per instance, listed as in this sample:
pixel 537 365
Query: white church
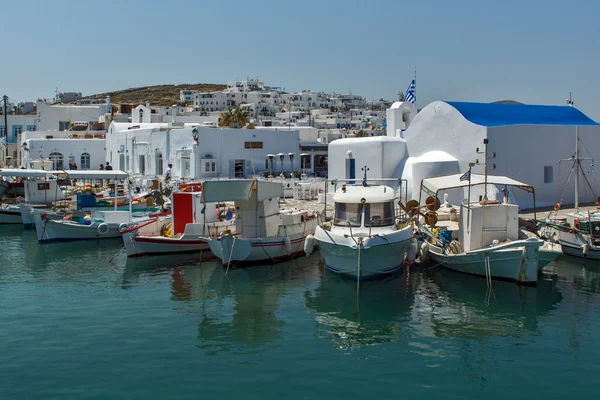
pixel 525 142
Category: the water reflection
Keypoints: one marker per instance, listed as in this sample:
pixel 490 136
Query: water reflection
pixel 454 305
pixel 438 303
pixel 237 311
pixel 377 316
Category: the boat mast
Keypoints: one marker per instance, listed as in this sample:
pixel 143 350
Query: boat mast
pixel 577 161
pixel 577 169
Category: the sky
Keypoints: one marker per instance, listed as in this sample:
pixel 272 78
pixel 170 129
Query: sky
pixel 463 50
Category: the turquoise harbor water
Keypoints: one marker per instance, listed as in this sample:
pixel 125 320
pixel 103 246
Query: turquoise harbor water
pixel 74 326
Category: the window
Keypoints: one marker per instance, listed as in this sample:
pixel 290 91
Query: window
pixel 253 145
pixel 348 214
pixel 548 174
pixel 31 128
pixel 142 164
pixel 379 214
pixel 122 162
pixel 57 160
pixel 85 161
pixel 159 164
pixel 16 130
pixel 63 125
pixel 2 131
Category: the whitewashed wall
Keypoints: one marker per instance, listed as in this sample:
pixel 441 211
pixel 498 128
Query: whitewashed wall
pixel 68 148
pixel 382 155
pixel 49 116
pixel 523 151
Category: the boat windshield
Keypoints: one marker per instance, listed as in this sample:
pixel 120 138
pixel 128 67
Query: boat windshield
pixel 379 214
pixel 348 214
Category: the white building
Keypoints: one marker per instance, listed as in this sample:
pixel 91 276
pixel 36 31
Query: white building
pixel 528 142
pixel 17 124
pixel 83 147
pixel 197 152
pixel 60 116
pixel 525 142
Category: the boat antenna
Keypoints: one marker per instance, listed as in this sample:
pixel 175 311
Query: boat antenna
pixel 364 182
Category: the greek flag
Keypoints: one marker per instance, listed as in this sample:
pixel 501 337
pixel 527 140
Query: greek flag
pixel 466 176
pixel 591 168
pixel 4 141
pixel 410 95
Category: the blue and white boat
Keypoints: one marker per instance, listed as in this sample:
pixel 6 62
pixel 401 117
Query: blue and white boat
pixel 364 240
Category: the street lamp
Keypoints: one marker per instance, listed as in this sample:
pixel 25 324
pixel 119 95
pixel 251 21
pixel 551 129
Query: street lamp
pixel 291 156
pixel 281 158
pixel 270 157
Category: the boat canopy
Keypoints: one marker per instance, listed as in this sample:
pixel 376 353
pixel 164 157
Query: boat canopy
pixel 371 194
pixel 432 186
pixel 75 174
pixel 92 174
pixel 240 190
pixel 25 173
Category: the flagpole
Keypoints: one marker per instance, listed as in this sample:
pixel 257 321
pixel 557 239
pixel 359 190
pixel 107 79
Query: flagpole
pixel 415 87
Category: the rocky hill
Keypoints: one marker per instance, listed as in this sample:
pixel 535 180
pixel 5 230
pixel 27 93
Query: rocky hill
pixel 158 95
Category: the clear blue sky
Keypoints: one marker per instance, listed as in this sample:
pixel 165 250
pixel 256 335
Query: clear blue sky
pixel 530 51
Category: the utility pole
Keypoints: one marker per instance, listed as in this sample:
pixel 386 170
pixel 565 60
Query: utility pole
pixel 5 98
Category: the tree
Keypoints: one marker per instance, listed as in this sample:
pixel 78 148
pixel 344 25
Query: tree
pixel 235 116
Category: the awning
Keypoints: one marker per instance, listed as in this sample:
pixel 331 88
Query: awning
pixel 92 174
pixel 25 173
pixel 240 190
pixel 433 185
pixel 230 190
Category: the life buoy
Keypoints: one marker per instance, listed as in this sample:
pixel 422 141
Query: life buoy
pixel 123 226
pixel 190 187
pixel 557 207
pixel 103 228
pixel 576 223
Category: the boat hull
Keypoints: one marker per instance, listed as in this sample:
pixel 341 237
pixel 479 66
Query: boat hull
pixel 380 255
pixel 578 245
pixel 10 215
pixel 239 250
pixel 518 263
pixel 49 231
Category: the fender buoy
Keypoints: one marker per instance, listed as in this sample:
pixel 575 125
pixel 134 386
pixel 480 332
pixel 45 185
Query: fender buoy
pixel 103 228
pixel 576 223
pixel 424 251
pixel 411 251
pixel 123 226
pixel 309 244
pixel 287 244
pixel 556 207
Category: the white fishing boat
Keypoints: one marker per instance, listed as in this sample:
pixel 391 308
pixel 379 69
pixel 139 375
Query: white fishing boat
pixel 580 236
pixel 40 189
pixel 99 225
pixel 181 232
pixel 263 232
pixel 485 241
pixel 365 239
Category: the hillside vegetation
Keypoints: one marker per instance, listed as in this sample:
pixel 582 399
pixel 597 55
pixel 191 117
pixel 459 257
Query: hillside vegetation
pixel 158 95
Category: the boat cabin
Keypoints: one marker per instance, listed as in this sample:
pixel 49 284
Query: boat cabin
pixel 256 204
pixel 481 223
pixel 360 206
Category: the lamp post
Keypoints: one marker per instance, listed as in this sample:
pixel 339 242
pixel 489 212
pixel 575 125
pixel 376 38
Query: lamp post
pixel 281 158
pixel 291 155
pixel 270 158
